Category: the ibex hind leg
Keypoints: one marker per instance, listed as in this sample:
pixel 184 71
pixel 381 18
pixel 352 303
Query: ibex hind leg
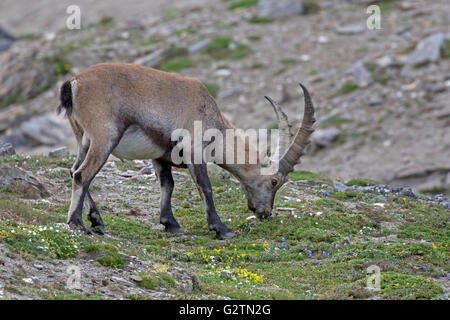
pixel 93 213
pixel 163 171
pixel 99 150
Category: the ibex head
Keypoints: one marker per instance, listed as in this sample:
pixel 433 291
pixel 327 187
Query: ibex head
pixel 260 189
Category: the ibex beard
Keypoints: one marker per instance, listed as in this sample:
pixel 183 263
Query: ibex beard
pixel 132 112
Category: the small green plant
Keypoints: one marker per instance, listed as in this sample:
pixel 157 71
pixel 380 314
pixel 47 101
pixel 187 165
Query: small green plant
pixel 260 20
pixel 362 182
pixel 110 256
pixel 213 88
pixel 310 6
pixel 225 48
pixel 302 175
pixel 242 4
pixel 177 64
pixel 288 61
pixel 445 49
pixel 348 87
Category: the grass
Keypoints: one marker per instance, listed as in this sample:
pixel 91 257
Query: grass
pixel 242 4
pixel 213 88
pixel 177 64
pixel 445 49
pixel 349 87
pixel 225 48
pixel 260 20
pixel 310 6
pixel 319 251
pixel 362 182
pixel 288 61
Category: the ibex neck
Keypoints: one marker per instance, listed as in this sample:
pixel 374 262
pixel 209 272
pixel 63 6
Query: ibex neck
pixel 241 158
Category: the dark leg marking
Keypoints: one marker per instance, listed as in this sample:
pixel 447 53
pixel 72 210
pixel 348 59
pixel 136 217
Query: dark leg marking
pixel 200 175
pixel 163 171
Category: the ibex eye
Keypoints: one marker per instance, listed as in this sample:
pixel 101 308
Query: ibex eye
pixel 274 182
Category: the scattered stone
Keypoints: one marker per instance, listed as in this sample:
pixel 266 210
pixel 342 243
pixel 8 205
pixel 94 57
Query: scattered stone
pixel 407 192
pixel 145 170
pixel 58 152
pixel 6 149
pixel 350 29
pixel 47 129
pixel 22 182
pixel 361 76
pixel 339 186
pixel 199 46
pixel 6 39
pixel 375 101
pixel 23 75
pixel 227 274
pixel 279 9
pixel 427 50
pixel 28 280
pixel 381 197
pixel 324 138
pixel 135 278
pixel 38 266
pixel 346 241
pixel 150 60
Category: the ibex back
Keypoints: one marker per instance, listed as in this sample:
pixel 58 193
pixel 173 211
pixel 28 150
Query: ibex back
pixel 131 111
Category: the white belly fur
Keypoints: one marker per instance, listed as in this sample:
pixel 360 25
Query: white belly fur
pixel 136 145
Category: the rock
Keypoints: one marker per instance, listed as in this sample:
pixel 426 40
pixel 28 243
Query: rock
pixel 325 137
pixel 145 170
pixel 150 60
pixel 381 197
pixel 407 192
pixel 23 75
pixel 28 280
pixel 38 266
pixel 361 76
pixel 279 9
pixel 58 152
pixel 47 129
pixel 199 46
pixel 350 29
pixel 339 186
pixel 136 278
pixel 227 274
pixel 6 39
pixel 6 149
pixel 375 101
pixel 22 182
pixel 427 50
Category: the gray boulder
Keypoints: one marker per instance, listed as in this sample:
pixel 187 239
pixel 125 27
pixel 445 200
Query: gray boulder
pixel 6 149
pixel 19 181
pixel 24 75
pixel 427 50
pixel 279 9
pixel 48 129
pixel 6 39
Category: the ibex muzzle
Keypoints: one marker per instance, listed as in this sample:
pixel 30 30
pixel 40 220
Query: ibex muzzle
pixel 131 111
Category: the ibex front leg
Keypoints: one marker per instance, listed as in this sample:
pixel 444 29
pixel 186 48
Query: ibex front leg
pixel 98 153
pixel 164 172
pixel 200 175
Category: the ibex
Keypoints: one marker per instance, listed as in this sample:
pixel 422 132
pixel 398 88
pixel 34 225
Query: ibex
pixel 130 111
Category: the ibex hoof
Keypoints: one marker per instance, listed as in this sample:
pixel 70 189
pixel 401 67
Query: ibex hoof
pixel 98 229
pixel 171 225
pixel 173 229
pixel 79 227
pixel 222 231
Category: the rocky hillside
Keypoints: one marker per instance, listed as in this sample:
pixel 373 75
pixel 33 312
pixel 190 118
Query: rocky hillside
pixel 381 95
pixel 320 242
